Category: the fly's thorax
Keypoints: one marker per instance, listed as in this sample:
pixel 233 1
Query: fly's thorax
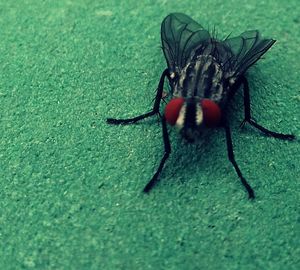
pixel 190 115
pixel 202 78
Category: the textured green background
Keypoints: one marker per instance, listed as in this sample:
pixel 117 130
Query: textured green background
pixel 70 193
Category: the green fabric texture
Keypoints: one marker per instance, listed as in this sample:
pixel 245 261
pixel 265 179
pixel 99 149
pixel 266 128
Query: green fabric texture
pixel 71 185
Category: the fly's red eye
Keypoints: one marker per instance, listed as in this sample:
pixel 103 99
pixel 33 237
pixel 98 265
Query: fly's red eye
pixel 172 110
pixel 211 113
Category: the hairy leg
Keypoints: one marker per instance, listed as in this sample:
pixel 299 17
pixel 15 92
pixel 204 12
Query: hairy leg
pixel 249 119
pixel 155 109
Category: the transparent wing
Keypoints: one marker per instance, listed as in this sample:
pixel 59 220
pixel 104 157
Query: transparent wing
pixel 179 36
pixel 247 49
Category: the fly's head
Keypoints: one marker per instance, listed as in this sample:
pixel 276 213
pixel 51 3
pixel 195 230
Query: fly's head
pixel 191 115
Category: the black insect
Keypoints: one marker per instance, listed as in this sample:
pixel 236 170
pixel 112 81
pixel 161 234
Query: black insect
pixel 204 73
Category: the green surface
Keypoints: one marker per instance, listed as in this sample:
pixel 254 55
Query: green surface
pixel 71 185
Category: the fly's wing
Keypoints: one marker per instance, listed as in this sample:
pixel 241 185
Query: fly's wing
pixel 179 36
pixel 247 49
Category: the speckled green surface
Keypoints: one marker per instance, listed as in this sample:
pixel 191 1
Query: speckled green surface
pixel 70 195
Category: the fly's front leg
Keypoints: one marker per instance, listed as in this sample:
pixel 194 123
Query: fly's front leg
pixel 249 119
pixel 155 109
pixel 232 160
pixel 167 147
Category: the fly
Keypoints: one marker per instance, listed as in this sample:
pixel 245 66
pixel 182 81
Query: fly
pixel 204 73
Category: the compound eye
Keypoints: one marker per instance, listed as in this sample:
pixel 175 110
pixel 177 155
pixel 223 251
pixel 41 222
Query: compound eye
pixel 211 113
pixel 172 110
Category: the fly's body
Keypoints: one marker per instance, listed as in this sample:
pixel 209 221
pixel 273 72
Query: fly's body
pixel 201 78
pixel 204 73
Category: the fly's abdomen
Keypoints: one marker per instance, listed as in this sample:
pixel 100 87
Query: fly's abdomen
pixel 202 78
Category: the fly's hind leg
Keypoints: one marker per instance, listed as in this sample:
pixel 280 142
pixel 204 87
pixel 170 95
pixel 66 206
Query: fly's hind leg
pixel 249 119
pixel 154 111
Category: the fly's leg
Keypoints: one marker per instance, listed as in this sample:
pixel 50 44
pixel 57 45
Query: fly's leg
pixel 249 119
pixel 167 147
pixel 232 160
pixel 155 109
